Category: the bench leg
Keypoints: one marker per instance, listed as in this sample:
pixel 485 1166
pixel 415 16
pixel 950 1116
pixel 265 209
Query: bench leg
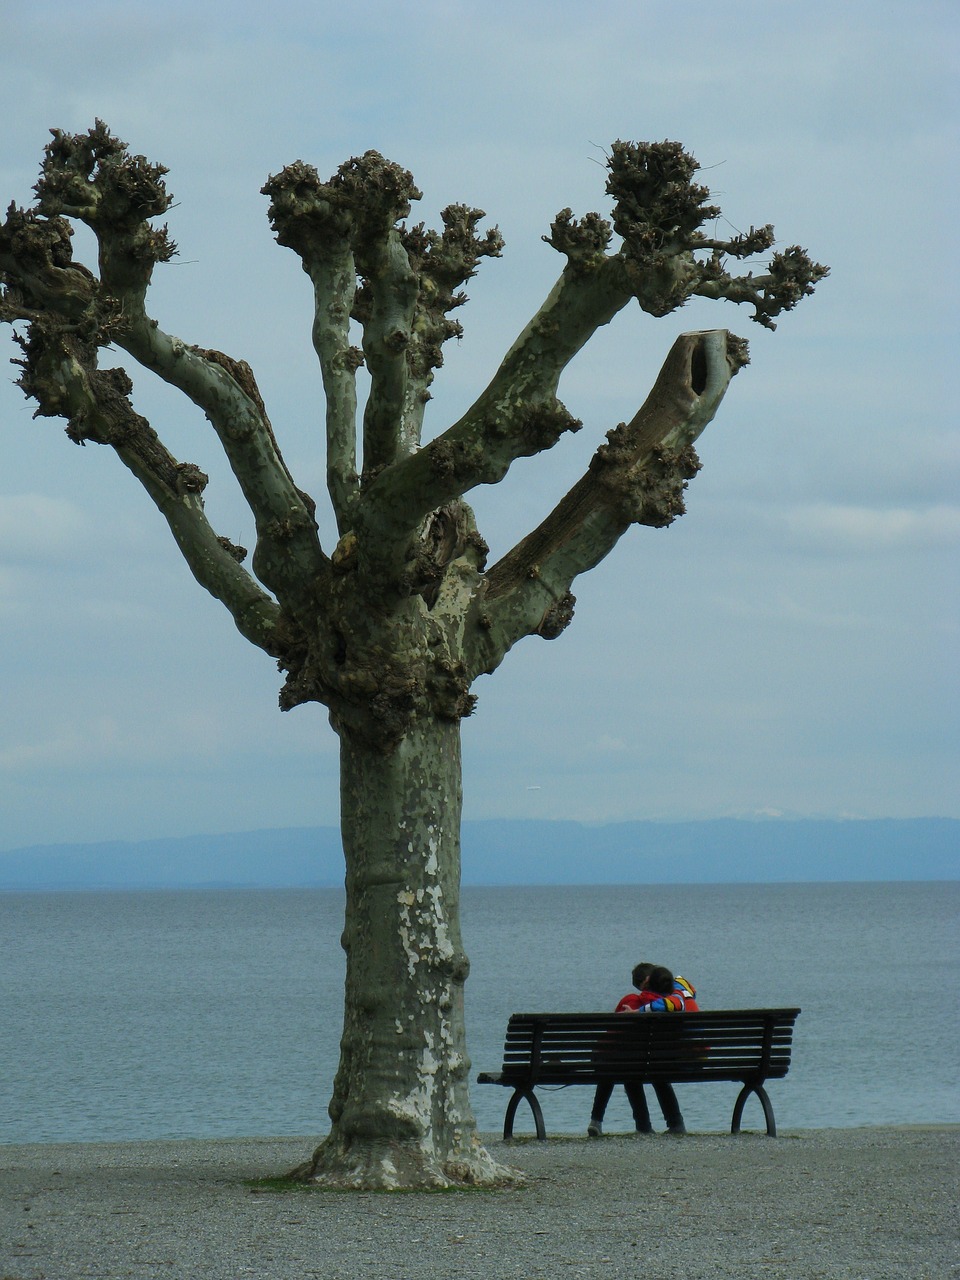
pixel 761 1093
pixel 512 1105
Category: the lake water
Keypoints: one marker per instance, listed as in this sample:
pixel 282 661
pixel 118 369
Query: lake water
pixel 217 1013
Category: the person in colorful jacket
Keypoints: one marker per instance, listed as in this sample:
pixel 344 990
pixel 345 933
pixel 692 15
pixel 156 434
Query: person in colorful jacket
pixel 689 992
pixel 658 991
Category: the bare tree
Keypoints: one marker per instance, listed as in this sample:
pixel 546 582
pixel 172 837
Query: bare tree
pixel 390 628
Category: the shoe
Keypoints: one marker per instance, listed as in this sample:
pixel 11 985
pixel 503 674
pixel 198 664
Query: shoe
pixel 678 1129
pixel 594 1129
pixel 645 1131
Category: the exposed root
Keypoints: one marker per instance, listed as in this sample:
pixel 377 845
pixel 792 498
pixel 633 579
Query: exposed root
pixel 380 1165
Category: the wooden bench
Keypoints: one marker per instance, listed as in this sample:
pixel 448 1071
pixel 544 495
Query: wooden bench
pixel 746 1046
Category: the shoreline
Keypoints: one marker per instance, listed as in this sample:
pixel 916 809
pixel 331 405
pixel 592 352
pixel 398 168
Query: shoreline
pixel 518 1142
pixel 842 1204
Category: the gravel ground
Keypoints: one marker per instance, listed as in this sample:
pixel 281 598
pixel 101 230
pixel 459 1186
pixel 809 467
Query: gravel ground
pixel 843 1204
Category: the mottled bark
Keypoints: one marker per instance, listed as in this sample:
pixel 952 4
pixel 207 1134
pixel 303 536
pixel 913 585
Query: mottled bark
pixel 400 1112
pixel 389 628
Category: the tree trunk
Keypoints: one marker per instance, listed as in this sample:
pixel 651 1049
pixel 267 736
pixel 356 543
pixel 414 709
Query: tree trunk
pixel 401 1108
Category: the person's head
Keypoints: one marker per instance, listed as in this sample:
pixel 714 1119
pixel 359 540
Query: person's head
pixel 660 980
pixel 641 972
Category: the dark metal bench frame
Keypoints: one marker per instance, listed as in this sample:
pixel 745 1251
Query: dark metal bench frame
pixel 746 1046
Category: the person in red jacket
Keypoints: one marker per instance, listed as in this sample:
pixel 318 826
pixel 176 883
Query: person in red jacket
pixel 655 998
pixel 658 991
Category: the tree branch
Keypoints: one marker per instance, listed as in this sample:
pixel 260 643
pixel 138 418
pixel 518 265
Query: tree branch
pixel 94 178
pixel 791 277
pixel 386 306
pixel 356 212
pixel 409 282
pixel 334 287
pixel 658 212
pixel 306 220
pixel 59 371
pixel 443 263
pixel 637 477
pixel 288 558
pixel 516 416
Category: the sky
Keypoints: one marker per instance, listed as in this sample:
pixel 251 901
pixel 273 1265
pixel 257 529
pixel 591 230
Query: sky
pixel 787 648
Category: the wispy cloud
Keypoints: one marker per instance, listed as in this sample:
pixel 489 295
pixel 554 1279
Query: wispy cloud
pixel 36 529
pixel 844 528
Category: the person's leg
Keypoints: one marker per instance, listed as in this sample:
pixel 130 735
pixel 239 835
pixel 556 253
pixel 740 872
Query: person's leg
pixel 600 1100
pixel 638 1104
pixel 670 1108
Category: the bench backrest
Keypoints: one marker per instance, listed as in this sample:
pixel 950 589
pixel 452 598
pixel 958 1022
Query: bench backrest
pixel 723 1044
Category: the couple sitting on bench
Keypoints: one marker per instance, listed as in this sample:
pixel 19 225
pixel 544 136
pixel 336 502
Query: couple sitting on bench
pixel 657 991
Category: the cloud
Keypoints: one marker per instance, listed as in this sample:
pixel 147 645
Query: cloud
pixel 873 530
pixel 36 529
pixel 85 746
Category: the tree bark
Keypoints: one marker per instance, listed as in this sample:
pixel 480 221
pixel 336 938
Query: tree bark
pixel 401 1107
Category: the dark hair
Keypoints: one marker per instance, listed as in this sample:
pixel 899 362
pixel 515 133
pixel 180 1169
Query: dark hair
pixel 641 972
pixel 660 980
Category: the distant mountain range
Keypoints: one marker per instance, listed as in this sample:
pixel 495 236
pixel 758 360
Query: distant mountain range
pixel 502 851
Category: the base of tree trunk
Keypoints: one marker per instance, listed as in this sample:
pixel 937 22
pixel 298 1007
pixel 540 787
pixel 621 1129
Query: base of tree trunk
pixel 379 1165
